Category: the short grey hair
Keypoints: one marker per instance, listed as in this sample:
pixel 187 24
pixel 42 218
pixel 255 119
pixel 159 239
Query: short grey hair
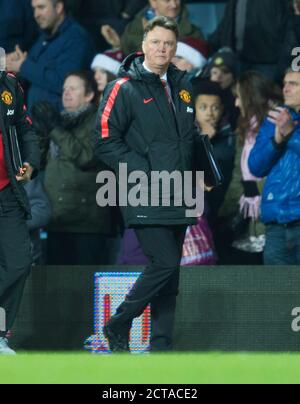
pixel 163 22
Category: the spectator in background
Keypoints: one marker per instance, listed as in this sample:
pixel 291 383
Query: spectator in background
pixel 255 96
pixel 276 155
pixel 17 25
pixel 93 14
pixel 191 55
pixel 78 231
pixel 212 122
pixel 132 38
pixel 62 47
pixel 222 69
pixel 256 31
pixel 106 66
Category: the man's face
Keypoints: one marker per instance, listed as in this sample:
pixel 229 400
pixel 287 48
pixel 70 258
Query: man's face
pixel 74 94
pixel 166 8
pixel 291 90
pixel 101 79
pixel 209 110
pixel 45 13
pixel 159 48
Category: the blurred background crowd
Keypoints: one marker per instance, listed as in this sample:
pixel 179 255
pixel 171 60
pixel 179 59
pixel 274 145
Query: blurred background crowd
pixel 236 54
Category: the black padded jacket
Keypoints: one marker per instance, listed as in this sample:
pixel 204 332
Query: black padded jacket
pixel 137 126
pixel 14 113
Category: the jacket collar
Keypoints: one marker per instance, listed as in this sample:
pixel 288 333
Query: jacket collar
pixel 133 67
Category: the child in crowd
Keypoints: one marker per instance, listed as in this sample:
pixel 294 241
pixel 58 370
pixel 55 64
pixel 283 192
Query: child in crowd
pixel 211 120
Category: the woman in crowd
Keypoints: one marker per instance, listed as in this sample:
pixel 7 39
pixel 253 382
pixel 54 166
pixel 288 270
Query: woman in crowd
pixel 106 66
pixel 255 96
pixel 222 69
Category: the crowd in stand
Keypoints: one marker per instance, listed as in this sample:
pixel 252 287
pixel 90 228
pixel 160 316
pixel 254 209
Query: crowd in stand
pixel 66 52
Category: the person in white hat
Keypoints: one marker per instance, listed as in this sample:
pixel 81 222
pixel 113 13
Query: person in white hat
pixel 191 54
pixel 106 66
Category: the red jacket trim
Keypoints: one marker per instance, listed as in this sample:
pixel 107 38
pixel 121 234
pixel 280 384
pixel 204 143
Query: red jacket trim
pixel 109 106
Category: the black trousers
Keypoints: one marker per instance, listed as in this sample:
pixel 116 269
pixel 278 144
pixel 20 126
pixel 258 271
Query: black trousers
pixel 157 285
pixel 15 255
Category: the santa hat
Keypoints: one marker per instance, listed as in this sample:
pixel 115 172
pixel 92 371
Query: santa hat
pixel 109 61
pixel 193 50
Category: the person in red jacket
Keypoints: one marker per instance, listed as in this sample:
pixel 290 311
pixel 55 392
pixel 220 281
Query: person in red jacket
pixel 15 249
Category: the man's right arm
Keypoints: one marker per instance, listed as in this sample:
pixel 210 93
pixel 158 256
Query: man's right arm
pixel 113 120
pixel 266 151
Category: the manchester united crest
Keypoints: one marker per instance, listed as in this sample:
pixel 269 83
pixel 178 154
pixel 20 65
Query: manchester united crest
pixel 7 97
pixel 185 96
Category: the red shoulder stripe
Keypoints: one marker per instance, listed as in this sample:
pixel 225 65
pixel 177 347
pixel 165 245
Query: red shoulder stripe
pixel 109 106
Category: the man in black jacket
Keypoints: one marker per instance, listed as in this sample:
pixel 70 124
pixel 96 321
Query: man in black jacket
pixel 146 120
pixel 256 30
pixel 15 252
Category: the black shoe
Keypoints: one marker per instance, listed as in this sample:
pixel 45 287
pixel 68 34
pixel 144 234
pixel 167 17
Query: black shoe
pixel 118 342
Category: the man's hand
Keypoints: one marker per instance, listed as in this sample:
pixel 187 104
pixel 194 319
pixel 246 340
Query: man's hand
pixel 111 36
pixel 284 122
pixel 25 173
pixel 15 60
pixel 296 5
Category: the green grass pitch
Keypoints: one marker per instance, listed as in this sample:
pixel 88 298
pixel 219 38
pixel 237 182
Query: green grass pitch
pixel 176 368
